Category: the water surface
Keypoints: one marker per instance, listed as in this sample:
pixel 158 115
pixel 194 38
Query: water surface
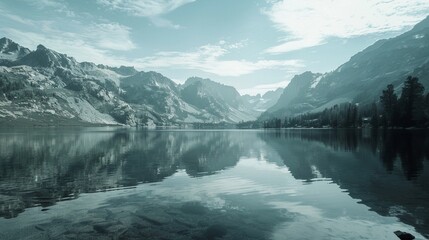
pixel 113 183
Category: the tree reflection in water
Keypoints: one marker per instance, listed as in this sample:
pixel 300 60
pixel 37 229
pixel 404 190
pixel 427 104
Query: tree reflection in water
pixel 386 170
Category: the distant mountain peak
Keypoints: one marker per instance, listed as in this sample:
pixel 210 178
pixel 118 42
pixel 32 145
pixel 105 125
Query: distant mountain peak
pixel 207 82
pixel 11 51
pixel 272 94
pixel 422 24
pixel 122 70
pixel 5 40
pixel 150 79
pixel 45 57
pixel 40 47
pixel 192 80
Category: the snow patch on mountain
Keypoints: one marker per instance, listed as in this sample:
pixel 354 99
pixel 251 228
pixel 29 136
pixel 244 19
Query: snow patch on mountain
pixel 315 82
pixel 11 51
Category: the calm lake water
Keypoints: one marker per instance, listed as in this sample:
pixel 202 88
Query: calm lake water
pixel 112 183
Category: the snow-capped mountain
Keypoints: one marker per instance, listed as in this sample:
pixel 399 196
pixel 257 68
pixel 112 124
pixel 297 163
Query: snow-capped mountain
pixel 362 78
pixel 50 88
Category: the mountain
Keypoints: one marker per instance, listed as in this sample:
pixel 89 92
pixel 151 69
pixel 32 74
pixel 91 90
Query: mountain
pixel 215 90
pixel 47 58
pixel 297 96
pixel 11 51
pixel 45 87
pixel 273 94
pixel 264 102
pixel 216 99
pixel 48 88
pixel 122 70
pixel 157 97
pixel 362 78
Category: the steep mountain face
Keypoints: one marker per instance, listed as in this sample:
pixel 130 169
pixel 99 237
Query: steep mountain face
pixel 11 51
pixel 262 103
pixel 273 95
pixel 122 70
pixel 49 88
pixel 215 90
pixel 53 89
pixel 44 57
pixel 156 97
pixel 298 95
pixel 221 101
pixel 363 77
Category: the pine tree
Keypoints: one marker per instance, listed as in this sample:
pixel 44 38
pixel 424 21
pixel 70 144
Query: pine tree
pixel 389 101
pixel 374 116
pixel 412 103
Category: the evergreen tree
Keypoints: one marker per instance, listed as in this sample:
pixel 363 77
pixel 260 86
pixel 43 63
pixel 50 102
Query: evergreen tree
pixel 412 103
pixel 411 109
pixel 427 108
pixel 355 116
pixel 389 101
pixel 348 122
pixel 374 116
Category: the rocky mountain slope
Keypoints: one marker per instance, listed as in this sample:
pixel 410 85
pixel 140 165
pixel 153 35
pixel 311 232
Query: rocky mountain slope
pixel 44 87
pixel 11 51
pixel 362 78
pixel 221 101
pixel 262 103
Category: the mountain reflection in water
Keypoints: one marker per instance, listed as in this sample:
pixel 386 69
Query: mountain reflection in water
pixel 267 180
pixel 387 171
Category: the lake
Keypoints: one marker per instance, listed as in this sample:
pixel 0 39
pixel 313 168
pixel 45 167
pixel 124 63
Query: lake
pixel 121 183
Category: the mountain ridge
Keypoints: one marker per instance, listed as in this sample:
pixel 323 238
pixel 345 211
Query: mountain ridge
pixel 45 87
pixel 361 79
pixel 11 51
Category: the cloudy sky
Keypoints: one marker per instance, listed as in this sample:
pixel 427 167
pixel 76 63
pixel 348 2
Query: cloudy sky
pixel 253 45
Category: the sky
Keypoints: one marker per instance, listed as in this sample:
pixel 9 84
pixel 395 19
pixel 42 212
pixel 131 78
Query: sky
pixel 253 45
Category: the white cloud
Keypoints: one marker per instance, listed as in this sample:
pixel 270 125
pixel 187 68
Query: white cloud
pixel 15 18
pixel 88 42
pixel 236 45
pixel 102 35
pixel 66 43
pixel 240 44
pixel 59 6
pixel 152 9
pixel 95 43
pixel 46 3
pixel 144 8
pixel 162 22
pixel 111 36
pixel 208 58
pixel 311 22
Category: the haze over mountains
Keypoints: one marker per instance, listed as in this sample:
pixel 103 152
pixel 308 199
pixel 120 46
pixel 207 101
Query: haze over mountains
pixel 44 87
